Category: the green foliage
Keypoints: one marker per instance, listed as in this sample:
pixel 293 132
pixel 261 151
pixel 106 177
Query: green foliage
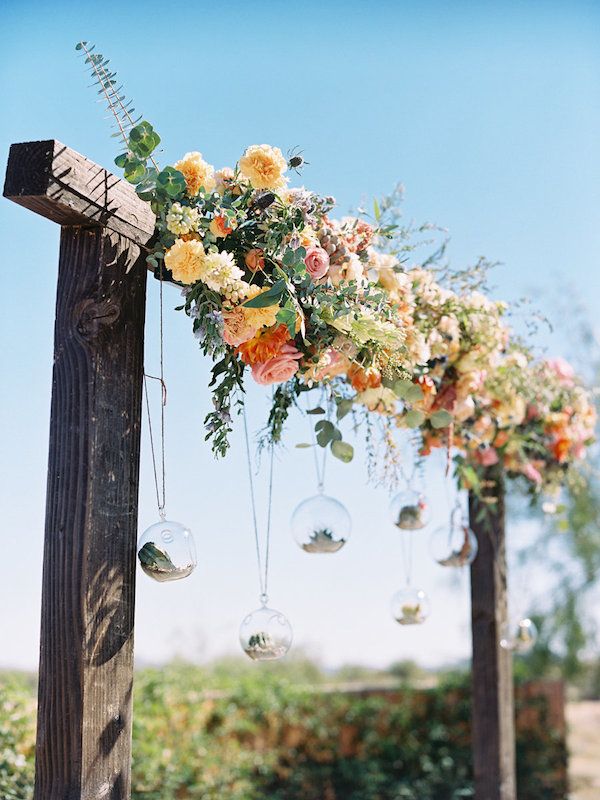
pixel 17 737
pixel 109 88
pixel 237 733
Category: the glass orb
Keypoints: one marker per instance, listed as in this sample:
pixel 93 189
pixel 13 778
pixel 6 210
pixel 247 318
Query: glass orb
pixel 410 606
pixel 454 545
pixel 321 524
pixel 409 510
pixel 166 551
pixel 524 638
pixel 265 634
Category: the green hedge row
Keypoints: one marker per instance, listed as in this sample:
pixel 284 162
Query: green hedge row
pixel 261 736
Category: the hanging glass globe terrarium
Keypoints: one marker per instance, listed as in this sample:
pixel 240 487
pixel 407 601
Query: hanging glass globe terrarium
pixel 454 545
pixel 265 634
pixel 321 524
pixel 410 606
pixel 409 510
pixel 524 638
pixel 166 551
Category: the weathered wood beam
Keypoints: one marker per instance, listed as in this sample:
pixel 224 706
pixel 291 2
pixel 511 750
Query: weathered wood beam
pixel 51 179
pixel 493 721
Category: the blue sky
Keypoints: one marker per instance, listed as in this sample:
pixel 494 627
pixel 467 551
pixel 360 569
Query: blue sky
pixel 490 116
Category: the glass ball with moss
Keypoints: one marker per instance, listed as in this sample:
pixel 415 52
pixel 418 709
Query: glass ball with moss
pixel 321 524
pixel 265 634
pixel 523 639
pixel 410 606
pixel 455 544
pixel 409 510
pixel 166 551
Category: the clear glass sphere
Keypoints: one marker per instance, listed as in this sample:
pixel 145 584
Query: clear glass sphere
pixel 410 606
pixel 454 545
pixel 265 634
pixel 166 551
pixel 321 524
pixel 524 638
pixel 409 510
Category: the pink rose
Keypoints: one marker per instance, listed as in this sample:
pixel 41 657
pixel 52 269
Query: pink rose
pixel 317 262
pixel 278 369
pixel 562 369
pixel 532 473
pixel 487 457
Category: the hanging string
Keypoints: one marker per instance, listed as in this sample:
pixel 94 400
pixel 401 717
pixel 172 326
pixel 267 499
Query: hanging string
pixel 263 575
pixel 319 468
pixel 417 464
pixel 160 492
pixel 407 557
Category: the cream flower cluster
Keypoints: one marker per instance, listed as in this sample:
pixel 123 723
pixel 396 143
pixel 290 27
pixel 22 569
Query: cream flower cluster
pixel 182 219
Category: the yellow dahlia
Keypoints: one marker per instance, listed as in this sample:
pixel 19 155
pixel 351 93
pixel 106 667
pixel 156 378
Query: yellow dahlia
pixel 197 173
pixel 185 259
pixel 264 166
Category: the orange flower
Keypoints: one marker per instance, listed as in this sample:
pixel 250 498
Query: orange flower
pixel 560 449
pixel 501 439
pixel 265 345
pixel 219 228
pixel 362 379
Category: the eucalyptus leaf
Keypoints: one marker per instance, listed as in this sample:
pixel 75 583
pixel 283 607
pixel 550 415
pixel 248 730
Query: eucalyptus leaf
pixel 316 410
pixel 441 419
pixel 413 394
pixel 344 407
pixel 171 182
pixel 414 418
pixel 343 451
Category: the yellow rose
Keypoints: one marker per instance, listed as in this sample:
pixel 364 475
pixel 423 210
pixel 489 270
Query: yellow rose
pixel 264 166
pixel 197 173
pixel 185 259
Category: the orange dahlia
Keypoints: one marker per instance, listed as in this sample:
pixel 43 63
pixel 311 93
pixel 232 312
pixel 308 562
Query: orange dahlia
pixel 265 345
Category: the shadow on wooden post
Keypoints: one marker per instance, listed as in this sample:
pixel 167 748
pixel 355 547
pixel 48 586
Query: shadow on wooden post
pixel 493 724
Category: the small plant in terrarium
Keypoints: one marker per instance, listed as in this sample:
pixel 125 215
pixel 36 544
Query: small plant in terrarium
pixel 174 558
pixel 454 545
pixel 322 540
pixel 265 634
pixel 524 639
pixel 321 524
pixel 409 510
pixel 410 606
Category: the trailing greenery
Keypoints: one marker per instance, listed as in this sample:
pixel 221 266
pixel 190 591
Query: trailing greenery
pixel 234 733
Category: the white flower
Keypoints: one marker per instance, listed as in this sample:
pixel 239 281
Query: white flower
pixel 220 271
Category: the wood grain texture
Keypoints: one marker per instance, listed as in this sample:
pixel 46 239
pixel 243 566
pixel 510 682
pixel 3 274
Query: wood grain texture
pixel 493 702
pixel 64 186
pixel 86 650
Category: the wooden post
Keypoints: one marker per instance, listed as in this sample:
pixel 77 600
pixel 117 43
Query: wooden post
pixel 493 705
pixel 86 652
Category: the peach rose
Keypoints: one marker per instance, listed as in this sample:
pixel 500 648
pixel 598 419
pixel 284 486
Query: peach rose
pixel 237 328
pixel 317 262
pixel 255 259
pixel 280 368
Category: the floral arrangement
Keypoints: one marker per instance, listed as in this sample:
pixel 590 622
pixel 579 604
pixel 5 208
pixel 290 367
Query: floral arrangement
pixel 281 290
